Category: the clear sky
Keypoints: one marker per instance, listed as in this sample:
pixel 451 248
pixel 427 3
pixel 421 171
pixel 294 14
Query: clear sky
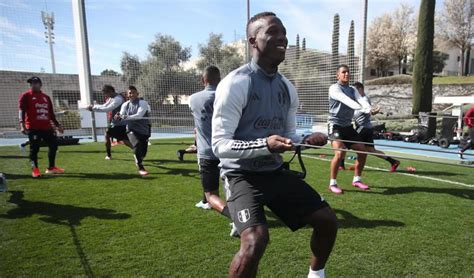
pixel 115 26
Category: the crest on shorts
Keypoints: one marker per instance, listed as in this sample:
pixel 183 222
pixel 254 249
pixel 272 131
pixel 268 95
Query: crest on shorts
pixel 244 215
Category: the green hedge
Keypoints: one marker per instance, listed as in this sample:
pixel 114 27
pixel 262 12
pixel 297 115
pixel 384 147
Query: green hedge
pixel 390 80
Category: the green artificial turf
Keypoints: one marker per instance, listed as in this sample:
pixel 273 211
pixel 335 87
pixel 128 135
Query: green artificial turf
pixel 101 219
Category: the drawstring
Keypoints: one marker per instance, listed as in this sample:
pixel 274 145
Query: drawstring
pixel 286 166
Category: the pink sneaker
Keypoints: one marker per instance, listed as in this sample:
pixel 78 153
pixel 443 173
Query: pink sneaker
pixel 360 185
pixel 395 166
pixel 335 189
pixel 143 172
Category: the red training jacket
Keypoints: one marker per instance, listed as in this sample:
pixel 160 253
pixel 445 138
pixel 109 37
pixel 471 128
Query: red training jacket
pixel 37 109
pixel 469 117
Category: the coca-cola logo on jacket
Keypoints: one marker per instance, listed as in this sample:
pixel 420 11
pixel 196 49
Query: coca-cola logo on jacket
pixel 267 123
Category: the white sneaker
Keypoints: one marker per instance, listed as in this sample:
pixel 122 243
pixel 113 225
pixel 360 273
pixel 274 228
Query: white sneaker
pixel 203 205
pixel 233 230
pixel 22 149
pixel 108 158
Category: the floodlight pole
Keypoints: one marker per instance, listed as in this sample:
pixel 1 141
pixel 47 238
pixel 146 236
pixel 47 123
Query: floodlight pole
pixel 48 22
pixel 364 43
pixel 83 60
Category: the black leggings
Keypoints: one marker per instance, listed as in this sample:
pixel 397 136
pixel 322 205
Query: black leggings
pixel 470 143
pixel 140 146
pixel 49 137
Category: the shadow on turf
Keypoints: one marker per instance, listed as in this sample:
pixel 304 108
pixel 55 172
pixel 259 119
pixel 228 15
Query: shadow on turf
pixel 345 220
pixel 13 156
pixel 456 192
pixel 24 176
pixel 58 214
pixel 428 173
pixel 192 173
pixel 82 151
pixel 103 176
pixel 170 161
pixel 172 143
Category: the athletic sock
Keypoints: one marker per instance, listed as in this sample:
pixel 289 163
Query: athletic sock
pixel 332 182
pixel 316 273
pixel 391 160
pixel 225 211
pixel 204 199
pixel 356 179
pixel 109 152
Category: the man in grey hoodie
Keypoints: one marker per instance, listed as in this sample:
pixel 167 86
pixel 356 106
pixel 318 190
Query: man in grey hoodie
pixel 134 113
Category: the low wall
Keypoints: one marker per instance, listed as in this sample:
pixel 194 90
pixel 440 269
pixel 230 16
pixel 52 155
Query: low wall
pixel 397 99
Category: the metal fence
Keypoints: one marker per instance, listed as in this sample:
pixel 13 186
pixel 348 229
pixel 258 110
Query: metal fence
pixel 166 76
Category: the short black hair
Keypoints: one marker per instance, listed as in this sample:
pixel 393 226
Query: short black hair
pixel 34 79
pixel 131 87
pixel 108 88
pixel 212 74
pixel 358 85
pixel 257 17
pixel 342 66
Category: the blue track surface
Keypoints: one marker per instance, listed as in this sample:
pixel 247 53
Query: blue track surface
pixel 429 150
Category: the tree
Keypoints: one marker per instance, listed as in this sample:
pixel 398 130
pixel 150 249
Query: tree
pixel 214 52
pixel 157 84
pixel 379 55
pixel 335 44
pixel 350 48
pixel 439 60
pixel 455 26
pixel 131 68
pixel 307 76
pixel 467 61
pixel 168 51
pixel 297 47
pixel 402 35
pixel 109 72
pixel 391 40
pixel 423 67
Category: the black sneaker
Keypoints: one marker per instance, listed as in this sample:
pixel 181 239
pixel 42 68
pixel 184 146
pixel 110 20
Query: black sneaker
pixel 180 154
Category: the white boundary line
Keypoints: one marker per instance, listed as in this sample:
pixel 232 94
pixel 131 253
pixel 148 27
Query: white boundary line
pixel 405 174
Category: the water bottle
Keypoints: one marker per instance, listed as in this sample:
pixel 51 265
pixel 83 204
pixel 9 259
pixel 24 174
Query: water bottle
pixel 3 183
pixel 352 157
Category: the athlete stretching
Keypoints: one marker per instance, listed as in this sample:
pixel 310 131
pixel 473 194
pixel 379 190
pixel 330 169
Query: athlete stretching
pixel 254 120
pixel 201 104
pixel 343 100
pixel 111 107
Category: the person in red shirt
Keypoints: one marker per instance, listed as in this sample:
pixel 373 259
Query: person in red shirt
pixel 469 121
pixel 37 120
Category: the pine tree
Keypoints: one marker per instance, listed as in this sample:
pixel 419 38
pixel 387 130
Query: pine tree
pixel 297 47
pixel 350 48
pixel 335 44
pixel 423 68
